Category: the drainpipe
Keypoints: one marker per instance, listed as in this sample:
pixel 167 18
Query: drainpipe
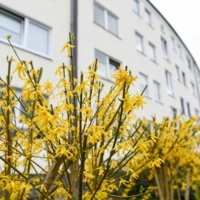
pixel 74 29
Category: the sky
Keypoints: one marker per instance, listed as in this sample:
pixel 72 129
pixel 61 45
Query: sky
pixel 184 16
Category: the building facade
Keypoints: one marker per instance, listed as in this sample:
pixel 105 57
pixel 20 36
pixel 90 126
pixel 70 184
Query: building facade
pixel 131 32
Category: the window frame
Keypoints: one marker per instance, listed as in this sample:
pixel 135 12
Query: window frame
pixel 184 79
pixel 173 43
pixel 179 51
pixel 142 86
pixel 25 21
pixel 182 106
pixel 108 59
pixel 137 6
pixel 152 47
pixel 169 82
pixel 106 14
pixel 197 113
pixel 157 91
pixel 148 17
pixel 164 48
pixel 178 75
pixel 138 35
pixel 193 88
pixel 188 109
pixel 189 63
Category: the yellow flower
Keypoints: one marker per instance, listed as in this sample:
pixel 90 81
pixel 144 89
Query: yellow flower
pixel 20 68
pixel 123 76
pixel 138 99
pixel 48 86
pixel 59 71
pixel 68 47
pixel 84 86
pixel 42 117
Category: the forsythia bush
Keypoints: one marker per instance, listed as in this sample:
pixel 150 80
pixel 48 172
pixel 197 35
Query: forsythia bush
pixel 72 142
pixel 76 146
pixel 176 167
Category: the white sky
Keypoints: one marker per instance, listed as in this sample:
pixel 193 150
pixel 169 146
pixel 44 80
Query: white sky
pixel 184 16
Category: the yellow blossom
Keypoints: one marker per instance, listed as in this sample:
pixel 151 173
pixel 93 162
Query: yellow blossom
pixel 20 68
pixel 68 47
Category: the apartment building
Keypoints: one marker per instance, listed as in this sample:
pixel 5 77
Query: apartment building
pixel 131 32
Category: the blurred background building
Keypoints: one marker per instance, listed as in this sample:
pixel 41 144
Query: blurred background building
pixel 131 32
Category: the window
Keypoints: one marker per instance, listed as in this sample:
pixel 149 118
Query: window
pixel 99 15
pixel 152 52
pixel 197 113
pixel 107 65
pixel 112 24
pixel 169 82
pixel 193 88
pixel 162 28
pixel 182 106
pixel 173 44
pixel 136 6
pixel 26 33
pixel 189 63
pixel 148 17
pixel 143 83
pixel 178 73
pixel 105 19
pixel 164 49
pixel 157 94
pixel 173 111
pixel 188 109
pixel 139 42
pixel 184 78
pixel 179 51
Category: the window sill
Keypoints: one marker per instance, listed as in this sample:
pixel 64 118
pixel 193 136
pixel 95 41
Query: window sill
pixel 150 25
pixel 170 93
pixel 107 79
pixel 178 79
pixel 194 95
pixel 167 59
pixel 26 49
pixel 174 50
pixel 159 101
pixel 154 61
pixel 117 36
pixel 141 52
pixel 147 96
pixel 138 14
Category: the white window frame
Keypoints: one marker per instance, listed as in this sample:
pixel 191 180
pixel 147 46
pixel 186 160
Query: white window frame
pixel 197 113
pixel 153 49
pixel 178 75
pixel 148 17
pixel 179 50
pixel 106 13
pixel 193 88
pixel 24 31
pixel 169 82
pixel 142 86
pixel 184 78
pixel 164 48
pixel 157 91
pixel 137 11
pixel 107 75
pixel 173 43
pixel 189 63
pixel 182 106
pixel 141 44
pixel 188 109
